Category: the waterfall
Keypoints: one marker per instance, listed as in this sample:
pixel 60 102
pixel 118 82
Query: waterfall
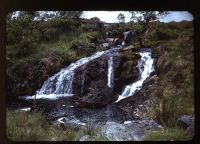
pixel 145 66
pixel 110 73
pixel 60 84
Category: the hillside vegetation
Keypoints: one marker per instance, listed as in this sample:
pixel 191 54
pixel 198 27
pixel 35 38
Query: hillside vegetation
pixel 36 50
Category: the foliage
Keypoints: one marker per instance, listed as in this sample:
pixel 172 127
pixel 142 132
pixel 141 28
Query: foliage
pixel 72 14
pixel 39 44
pixel 121 18
pixel 144 20
pixel 86 40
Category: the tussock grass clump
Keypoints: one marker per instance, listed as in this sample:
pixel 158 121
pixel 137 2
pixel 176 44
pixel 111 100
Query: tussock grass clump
pixel 167 134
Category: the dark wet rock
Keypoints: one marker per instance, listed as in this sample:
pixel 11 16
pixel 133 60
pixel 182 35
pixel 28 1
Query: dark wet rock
pixel 131 103
pixel 190 132
pixel 101 115
pixel 98 116
pixel 150 80
pixel 185 121
pixel 128 131
pixel 89 73
pixel 99 95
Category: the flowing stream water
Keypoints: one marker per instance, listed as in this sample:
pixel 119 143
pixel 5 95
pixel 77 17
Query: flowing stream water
pixel 60 84
pixel 110 73
pixel 145 66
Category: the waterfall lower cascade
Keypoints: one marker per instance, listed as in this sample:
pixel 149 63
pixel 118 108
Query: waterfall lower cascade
pixel 60 84
pixel 145 66
pixel 110 73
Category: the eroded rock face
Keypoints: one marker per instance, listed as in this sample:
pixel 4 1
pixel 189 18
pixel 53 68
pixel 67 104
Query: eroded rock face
pixel 128 131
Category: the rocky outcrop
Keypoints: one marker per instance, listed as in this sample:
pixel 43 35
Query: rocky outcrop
pixel 128 131
pixel 88 74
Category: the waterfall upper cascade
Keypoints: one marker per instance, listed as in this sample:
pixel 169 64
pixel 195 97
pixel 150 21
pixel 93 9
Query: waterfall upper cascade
pixel 145 66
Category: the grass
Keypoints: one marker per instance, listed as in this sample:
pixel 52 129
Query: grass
pixel 167 134
pixel 32 126
pixel 44 58
pixel 174 92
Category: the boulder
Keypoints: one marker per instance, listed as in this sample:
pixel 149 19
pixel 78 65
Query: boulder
pixel 187 122
pixel 128 131
pixel 67 123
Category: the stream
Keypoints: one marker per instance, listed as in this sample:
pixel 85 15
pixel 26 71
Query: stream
pixel 56 95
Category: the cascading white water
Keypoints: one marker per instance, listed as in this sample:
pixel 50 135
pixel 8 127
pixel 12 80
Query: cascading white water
pixel 110 73
pixel 145 66
pixel 60 84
